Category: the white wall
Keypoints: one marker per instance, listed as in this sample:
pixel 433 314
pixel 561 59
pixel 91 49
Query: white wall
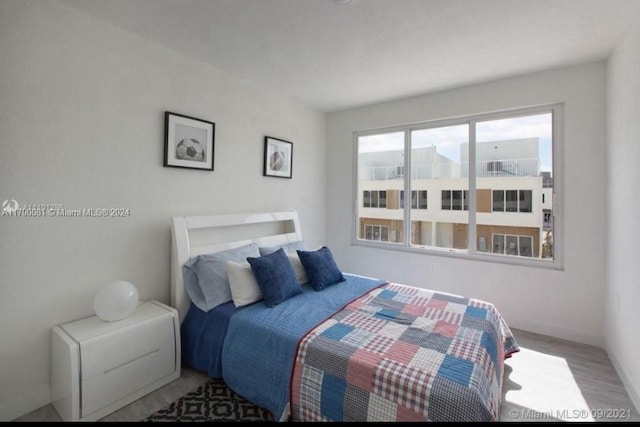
pixel 565 304
pixel 82 125
pixel 623 211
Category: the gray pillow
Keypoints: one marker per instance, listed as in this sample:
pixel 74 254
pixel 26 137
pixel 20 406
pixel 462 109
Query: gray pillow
pixel 289 248
pixel 205 276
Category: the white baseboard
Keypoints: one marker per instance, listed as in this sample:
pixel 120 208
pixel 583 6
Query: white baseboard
pixel 22 405
pixel 634 394
pixel 555 331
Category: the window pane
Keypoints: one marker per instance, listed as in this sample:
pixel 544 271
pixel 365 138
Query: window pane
pixel 526 246
pixel 525 201
pixel 380 171
pixel 456 202
pixel 368 232
pixel 401 199
pixel 482 244
pixel 439 162
pixel 446 200
pixel 466 200
pixel 498 244
pixel 516 154
pixel 382 202
pixel 366 197
pixel 511 245
pixel 498 201
pixel 511 201
pixel 374 199
pixel 384 234
pixel 422 199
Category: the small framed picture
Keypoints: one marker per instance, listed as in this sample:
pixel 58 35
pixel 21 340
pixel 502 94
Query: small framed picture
pixel 278 157
pixel 189 142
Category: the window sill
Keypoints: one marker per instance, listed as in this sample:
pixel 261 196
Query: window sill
pixel 463 255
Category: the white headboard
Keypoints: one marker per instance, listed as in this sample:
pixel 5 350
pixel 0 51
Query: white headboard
pixel 196 235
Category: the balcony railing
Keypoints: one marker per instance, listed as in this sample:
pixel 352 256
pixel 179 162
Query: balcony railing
pixel 488 168
pixel 508 167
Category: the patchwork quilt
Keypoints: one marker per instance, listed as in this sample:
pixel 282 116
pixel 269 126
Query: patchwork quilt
pixel 401 353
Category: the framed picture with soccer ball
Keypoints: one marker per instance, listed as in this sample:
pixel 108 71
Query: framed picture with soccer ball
pixel 278 157
pixel 189 142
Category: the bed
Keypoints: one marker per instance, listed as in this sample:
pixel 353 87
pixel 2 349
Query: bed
pixel 359 349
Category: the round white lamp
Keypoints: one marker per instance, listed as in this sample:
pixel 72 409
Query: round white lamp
pixel 115 301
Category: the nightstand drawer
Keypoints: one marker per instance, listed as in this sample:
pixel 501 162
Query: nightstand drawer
pixel 103 354
pixel 107 387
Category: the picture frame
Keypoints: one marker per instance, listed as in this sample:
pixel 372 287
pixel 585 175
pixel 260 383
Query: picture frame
pixel 278 157
pixel 189 142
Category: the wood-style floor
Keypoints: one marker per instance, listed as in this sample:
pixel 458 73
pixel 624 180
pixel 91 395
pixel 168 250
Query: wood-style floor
pixel 548 380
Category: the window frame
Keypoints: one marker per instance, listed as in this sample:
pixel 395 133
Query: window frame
pixel 472 252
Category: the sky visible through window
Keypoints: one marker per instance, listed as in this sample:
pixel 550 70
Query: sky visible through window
pixel 449 139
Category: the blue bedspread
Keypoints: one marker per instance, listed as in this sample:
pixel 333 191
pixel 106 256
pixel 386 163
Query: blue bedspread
pixel 202 334
pixel 261 342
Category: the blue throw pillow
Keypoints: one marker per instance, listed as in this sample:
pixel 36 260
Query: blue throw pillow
pixel 275 276
pixel 320 267
pixel 205 276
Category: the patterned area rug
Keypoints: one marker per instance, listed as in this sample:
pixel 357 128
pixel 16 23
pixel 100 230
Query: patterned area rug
pixel 212 401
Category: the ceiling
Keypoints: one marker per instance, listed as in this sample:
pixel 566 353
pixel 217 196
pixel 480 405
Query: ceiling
pixel 332 57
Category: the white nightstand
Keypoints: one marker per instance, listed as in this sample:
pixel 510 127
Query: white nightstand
pixel 98 367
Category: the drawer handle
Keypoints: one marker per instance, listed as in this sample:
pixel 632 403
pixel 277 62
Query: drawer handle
pixel 131 361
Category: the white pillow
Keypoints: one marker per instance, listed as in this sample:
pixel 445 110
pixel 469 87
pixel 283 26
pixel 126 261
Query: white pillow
pixel 243 284
pixel 301 275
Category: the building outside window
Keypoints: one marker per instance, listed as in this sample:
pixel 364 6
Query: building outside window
pixel 492 176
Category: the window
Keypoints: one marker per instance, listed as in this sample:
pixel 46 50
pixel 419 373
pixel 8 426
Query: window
pixel 418 199
pixel 374 199
pixel 512 200
pixel 494 175
pixel 376 232
pixel 513 245
pixel 455 200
